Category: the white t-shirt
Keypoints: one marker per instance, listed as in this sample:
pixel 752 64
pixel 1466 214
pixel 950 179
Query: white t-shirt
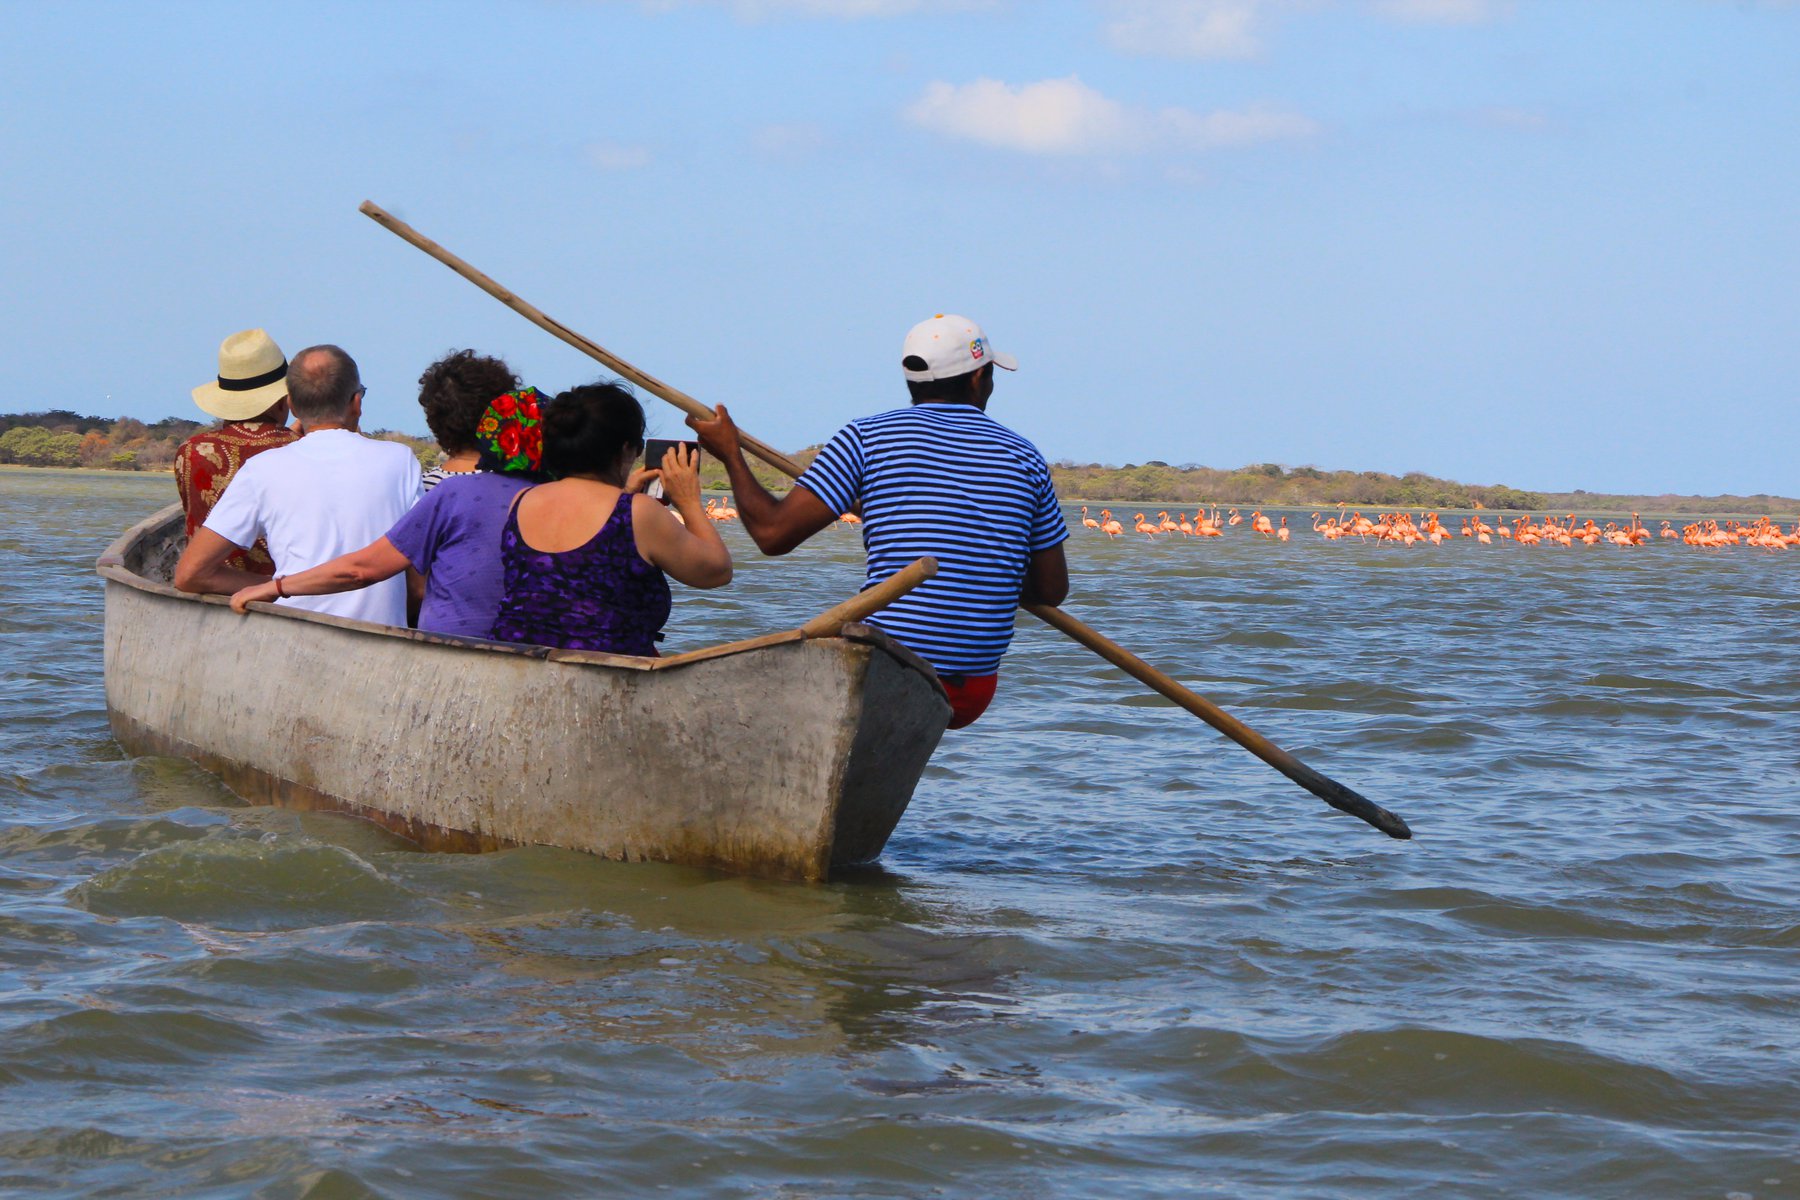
pixel 329 493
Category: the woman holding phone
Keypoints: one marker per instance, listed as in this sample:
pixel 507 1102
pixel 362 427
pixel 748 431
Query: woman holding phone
pixel 584 558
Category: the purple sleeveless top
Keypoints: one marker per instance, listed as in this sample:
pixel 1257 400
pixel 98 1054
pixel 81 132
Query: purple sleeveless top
pixel 599 596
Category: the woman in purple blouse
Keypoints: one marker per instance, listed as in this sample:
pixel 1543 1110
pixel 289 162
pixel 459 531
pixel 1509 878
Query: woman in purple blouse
pixel 584 559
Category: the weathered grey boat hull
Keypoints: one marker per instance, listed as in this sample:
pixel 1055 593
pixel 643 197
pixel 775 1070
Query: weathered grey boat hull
pixel 782 757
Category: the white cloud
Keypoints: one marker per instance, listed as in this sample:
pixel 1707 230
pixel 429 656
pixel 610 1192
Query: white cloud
pixel 1056 116
pixel 1441 12
pixel 1187 28
pixel 617 156
pixel 1067 117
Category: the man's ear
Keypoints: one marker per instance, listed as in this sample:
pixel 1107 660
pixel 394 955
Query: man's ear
pixel 353 415
pixel 980 384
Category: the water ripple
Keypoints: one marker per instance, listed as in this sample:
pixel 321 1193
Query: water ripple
pixel 1107 953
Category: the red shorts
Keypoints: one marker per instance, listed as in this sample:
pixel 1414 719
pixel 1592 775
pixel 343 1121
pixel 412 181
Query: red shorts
pixel 969 696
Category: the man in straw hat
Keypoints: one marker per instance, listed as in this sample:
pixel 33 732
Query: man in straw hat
pixel 940 478
pixel 329 493
pixel 250 396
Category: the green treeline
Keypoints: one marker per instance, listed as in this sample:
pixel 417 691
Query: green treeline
pixel 60 438
pixel 1268 485
pixel 1273 486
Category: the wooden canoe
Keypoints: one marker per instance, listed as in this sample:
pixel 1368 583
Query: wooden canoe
pixel 783 756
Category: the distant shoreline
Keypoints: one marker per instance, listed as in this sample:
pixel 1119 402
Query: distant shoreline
pixel 122 472
pixel 63 440
pixel 1622 507
pixel 1649 508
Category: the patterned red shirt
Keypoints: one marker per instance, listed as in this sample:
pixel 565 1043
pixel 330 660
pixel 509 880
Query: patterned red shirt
pixel 207 461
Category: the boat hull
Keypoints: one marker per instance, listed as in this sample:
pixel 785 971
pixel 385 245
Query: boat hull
pixel 784 757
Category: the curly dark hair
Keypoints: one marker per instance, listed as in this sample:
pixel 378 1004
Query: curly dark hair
pixel 456 389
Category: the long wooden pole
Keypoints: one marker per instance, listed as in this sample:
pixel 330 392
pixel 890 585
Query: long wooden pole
pixel 1326 789
pixel 555 328
pixel 1329 790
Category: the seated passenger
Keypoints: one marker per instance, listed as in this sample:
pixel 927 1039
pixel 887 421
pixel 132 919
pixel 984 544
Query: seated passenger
pixel 313 500
pixel 455 392
pixel 452 537
pixel 584 557
pixel 250 397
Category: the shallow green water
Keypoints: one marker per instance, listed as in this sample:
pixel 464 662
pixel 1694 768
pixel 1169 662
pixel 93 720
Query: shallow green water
pixel 1108 954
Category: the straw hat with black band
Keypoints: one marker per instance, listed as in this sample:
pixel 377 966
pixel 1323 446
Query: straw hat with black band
pixel 252 378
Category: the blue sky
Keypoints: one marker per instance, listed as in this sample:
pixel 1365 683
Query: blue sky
pixel 1551 244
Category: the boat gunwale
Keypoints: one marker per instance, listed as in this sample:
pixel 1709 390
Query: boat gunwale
pixel 111 567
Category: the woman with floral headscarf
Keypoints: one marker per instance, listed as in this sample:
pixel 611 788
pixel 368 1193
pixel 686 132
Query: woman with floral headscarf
pixel 450 539
pixel 454 393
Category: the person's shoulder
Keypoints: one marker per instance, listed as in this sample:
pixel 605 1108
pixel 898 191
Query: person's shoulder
pixel 203 437
pixel 964 420
pixel 394 450
pixel 395 456
pixel 649 512
pixel 259 477
pixel 1006 433
pixel 478 485
pixel 904 423
pixel 891 416
pixel 273 460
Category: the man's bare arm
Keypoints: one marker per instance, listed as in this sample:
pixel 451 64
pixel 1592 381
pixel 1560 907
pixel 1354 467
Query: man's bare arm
pixel 1046 577
pixel 202 566
pixel 776 525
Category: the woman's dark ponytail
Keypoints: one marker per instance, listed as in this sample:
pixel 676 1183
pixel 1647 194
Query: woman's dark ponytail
pixel 588 428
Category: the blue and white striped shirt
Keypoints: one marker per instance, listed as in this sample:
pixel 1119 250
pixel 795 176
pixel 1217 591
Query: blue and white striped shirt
pixel 949 481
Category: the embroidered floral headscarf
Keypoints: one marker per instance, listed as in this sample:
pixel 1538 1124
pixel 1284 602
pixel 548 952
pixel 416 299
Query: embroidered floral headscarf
pixel 510 435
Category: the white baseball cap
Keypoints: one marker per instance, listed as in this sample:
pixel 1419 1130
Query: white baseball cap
pixel 945 347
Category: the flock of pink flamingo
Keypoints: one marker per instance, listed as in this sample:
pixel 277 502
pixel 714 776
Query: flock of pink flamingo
pixel 1404 529
pixel 722 510
pixel 1408 531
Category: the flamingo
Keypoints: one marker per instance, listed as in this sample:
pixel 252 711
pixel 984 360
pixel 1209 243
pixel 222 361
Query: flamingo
pixel 1087 520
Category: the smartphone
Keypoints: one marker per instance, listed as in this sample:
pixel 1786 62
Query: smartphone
pixel 654 449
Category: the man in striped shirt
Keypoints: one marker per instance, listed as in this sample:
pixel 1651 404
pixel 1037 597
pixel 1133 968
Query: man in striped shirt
pixel 940 478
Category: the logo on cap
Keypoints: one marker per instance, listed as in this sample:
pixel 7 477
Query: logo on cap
pixel 975 350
